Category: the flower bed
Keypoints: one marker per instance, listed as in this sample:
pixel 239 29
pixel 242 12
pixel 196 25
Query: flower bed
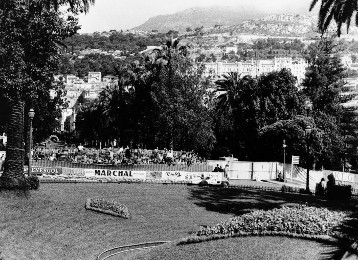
pixel 108 207
pixel 300 221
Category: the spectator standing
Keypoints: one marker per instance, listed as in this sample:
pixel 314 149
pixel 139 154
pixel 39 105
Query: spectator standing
pixel 331 180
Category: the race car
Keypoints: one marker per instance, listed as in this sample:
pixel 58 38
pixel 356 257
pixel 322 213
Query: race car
pixel 216 179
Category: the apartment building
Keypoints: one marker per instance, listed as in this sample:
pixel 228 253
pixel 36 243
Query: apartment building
pixel 255 68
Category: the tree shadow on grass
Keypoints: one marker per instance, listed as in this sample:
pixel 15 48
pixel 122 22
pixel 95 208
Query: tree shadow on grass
pixel 347 244
pixel 20 193
pixel 238 201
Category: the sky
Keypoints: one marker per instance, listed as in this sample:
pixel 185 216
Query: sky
pixel 106 15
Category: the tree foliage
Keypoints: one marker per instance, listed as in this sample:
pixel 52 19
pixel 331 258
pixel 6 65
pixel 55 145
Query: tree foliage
pixel 249 104
pixel 158 102
pixel 29 51
pixel 340 11
pixel 324 75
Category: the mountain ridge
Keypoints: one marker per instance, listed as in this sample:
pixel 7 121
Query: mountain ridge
pixel 208 17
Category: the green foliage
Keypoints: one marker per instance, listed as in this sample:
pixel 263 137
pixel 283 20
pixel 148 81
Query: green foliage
pixel 297 220
pixel 126 42
pixel 271 43
pixel 30 34
pixel 324 76
pixel 162 102
pixel 33 47
pixel 106 64
pixel 248 105
pixel 33 182
pixel 341 11
pixel 279 97
pixel 109 206
pixel 285 189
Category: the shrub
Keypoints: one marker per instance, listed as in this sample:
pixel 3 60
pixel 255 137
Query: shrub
pixel 32 182
pixel 304 191
pixel 108 206
pixel 339 192
pixel 285 188
pixel 25 183
pixel 296 220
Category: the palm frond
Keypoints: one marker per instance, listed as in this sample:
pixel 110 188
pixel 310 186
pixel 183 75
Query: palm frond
pixel 313 3
pixel 325 14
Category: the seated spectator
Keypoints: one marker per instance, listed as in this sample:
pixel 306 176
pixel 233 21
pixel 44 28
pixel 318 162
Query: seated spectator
pixel 217 168
pixel 321 187
pixel 169 157
pixel 80 147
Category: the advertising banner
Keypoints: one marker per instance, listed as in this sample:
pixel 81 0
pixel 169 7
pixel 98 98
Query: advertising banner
pixel 153 175
pixel 174 175
pixel 73 172
pixel 113 174
pixel 189 176
pixel 36 170
pixel 343 176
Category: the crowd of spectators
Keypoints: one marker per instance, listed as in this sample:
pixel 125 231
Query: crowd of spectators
pixel 116 156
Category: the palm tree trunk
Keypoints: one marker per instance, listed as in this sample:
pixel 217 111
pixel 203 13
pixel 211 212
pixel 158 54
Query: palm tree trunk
pixel 13 176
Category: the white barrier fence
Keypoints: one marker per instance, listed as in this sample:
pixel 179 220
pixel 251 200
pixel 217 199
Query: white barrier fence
pixel 345 178
pixel 237 171
pixel 116 175
pixel 241 170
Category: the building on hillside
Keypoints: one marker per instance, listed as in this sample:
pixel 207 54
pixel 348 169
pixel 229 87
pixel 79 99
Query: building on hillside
pixel 349 93
pixel 85 89
pixel 150 49
pixel 94 77
pixel 346 60
pixel 70 79
pixel 255 68
pixel 229 49
pixel 110 78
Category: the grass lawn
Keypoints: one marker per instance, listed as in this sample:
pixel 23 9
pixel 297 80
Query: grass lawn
pixel 241 248
pixel 52 223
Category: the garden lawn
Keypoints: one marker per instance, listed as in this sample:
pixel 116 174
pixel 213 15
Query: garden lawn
pixel 52 222
pixel 241 248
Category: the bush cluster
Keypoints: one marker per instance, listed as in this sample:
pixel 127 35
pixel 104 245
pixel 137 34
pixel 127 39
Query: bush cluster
pixel 298 220
pixel 109 206
pixel 32 182
pixel 285 188
pixel 339 192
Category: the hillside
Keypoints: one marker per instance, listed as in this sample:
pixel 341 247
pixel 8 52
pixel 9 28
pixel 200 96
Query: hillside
pixel 209 17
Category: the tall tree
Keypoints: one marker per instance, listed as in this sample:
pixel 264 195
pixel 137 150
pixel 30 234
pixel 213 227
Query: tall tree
pixel 178 93
pixel 252 104
pixel 236 99
pixel 321 85
pixel 324 76
pixel 30 33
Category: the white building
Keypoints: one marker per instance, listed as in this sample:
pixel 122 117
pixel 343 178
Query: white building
pixel 94 77
pixel 229 49
pixel 255 68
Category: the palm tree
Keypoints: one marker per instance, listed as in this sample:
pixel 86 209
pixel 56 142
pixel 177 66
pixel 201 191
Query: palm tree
pixel 341 11
pixel 29 35
pixel 116 101
pixel 228 90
